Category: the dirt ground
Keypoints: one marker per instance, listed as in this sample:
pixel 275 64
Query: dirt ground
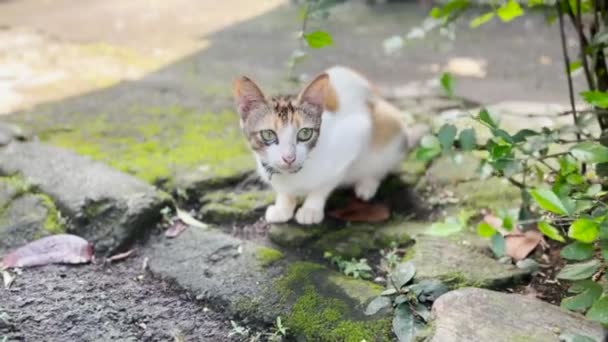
pixel 118 302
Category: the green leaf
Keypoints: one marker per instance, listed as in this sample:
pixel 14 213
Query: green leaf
pixel 575 179
pixel 318 39
pixel 590 152
pixel 427 290
pixel 498 245
pixel 549 201
pixel 579 271
pixel 584 230
pixel 429 148
pixel 403 274
pixel 550 231
pixel 485 230
pixel 577 251
pixel 593 190
pixel 485 117
pixel 446 228
pixel 377 304
pixel 604 230
pixel 467 139
pixel 509 11
pixel 403 323
pixel 599 311
pixel 596 98
pixel 389 292
pixel 451 7
pixel 446 136
pixel 592 291
pixel 482 19
pixel 523 134
pixel 447 83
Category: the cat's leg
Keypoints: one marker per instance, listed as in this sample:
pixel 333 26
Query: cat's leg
pixel 282 210
pixel 367 187
pixel 313 209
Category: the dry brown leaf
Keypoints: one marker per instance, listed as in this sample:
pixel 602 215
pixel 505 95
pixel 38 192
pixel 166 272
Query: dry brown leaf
pixel 357 211
pixel 519 245
pixel 55 249
pixel 176 228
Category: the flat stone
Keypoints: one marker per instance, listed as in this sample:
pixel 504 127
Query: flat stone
pixel 459 265
pixel 478 315
pixel 317 304
pixel 9 132
pixel 24 214
pixel 230 206
pixel 106 207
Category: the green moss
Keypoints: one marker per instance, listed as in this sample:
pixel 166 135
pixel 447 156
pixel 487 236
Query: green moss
pixel 157 144
pixel 318 317
pixel 356 289
pixel 409 254
pixel 220 206
pixel 492 193
pixel 53 223
pixel 267 256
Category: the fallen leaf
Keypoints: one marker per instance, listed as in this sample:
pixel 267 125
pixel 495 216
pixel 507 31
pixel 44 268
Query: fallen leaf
pixel 520 245
pixel 60 248
pixel 189 219
pixel 8 279
pixel 358 211
pixel 176 228
pixel 120 256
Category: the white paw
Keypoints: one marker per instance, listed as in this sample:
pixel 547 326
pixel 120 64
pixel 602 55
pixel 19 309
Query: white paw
pixel 309 215
pixel 366 189
pixel 276 214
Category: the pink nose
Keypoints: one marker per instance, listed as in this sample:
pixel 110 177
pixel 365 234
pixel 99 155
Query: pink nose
pixel 289 159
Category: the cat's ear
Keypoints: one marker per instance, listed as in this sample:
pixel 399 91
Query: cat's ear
pixel 316 91
pixel 248 96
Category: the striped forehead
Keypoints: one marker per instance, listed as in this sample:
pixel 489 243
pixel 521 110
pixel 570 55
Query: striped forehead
pixel 284 107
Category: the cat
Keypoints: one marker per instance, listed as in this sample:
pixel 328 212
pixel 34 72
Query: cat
pixel 337 132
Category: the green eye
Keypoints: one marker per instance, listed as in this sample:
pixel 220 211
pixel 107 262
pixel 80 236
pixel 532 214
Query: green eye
pixel 268 136
pixel 305 134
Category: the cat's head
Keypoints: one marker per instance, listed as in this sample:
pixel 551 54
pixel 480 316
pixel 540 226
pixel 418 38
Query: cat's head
pixel 282 130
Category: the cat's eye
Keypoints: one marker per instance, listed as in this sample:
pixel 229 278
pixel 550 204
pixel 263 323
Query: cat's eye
pixel 269 136
pixel 305 134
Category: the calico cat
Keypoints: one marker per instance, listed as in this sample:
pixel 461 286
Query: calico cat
pixel 336 132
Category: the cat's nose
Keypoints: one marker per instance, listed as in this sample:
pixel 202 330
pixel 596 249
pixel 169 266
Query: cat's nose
pixel 289 159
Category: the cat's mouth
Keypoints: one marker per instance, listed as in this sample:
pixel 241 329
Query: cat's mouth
pixel 283 170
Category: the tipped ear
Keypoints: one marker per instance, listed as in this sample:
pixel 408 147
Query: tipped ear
pixel 316 91
pixel 248 96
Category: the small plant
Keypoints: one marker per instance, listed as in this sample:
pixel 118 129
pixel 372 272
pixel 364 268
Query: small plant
pixel 409 300
pixel 356 269
pixel 390 258
pixel 238 330
pixel 280 331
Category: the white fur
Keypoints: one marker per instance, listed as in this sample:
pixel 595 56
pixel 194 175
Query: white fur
pixel 343 155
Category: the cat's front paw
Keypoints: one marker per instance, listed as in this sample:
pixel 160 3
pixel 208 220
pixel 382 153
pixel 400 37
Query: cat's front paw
pixel 275 214
pixel 309 215
pixel 366 189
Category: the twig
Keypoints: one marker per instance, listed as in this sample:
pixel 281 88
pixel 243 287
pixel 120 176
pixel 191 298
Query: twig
pixel 562 34
pixel 583 45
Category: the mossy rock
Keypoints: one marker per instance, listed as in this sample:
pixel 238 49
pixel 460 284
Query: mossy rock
pixel 492 193
pixel 25 214
pixel 327 306
pixel 460 265
pixel 292 235
pixel 226 205
pixel 174 146
pixel 267 256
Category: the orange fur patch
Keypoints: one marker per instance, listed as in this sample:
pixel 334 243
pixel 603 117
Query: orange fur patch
pixel 386 121
pixel 331 99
